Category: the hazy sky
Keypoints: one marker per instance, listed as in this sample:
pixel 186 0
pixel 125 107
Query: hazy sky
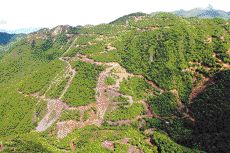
pixel 16 14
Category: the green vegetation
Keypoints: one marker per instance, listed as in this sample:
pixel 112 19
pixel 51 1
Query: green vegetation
pixel 45 49
pixel 31 142
pixel 94 48
pixel 136 87
pixel 163 54
pixel 159 65
pixel 20 121
pixel 120 99
pixel 90 139
pixel 61 39
pixel 86 116
pixel 178 129
pixel 57 88
pixel 16 110
pixel 125 113
pixel 41 78
pixel 24 146
pixel 110 80
pixel 82 90
pixel 40 111
pixel 165 144
pixel 212 103
pixel 103 29
pixel 110 56
pixel 174 52
pixel 164 105
pixel 123 19
pixel 70 115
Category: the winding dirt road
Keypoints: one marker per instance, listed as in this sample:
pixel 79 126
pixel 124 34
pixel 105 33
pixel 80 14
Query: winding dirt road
pixel 71 71
pixel 56 106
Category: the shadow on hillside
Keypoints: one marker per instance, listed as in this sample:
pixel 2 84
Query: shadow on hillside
pixel 211 111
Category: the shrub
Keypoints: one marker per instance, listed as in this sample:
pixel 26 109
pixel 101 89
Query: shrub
pixel 110 81
pixel 136 87
pixel 70 115
pixel 125 113
pixel 164 105
pixel 82 90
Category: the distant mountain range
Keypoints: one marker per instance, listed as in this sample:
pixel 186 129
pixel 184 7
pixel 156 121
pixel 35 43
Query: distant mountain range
pixel 20 31
pixel 6 41
pixel 208 12
pixel 5 38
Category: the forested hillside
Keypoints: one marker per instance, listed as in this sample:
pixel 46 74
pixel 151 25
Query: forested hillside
pixel 138 84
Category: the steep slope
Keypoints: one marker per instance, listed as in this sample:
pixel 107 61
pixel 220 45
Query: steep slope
pixel 131 85
pixel 210 110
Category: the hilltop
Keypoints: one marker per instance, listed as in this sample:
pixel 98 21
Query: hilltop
pixel 208 12
pixel 141 83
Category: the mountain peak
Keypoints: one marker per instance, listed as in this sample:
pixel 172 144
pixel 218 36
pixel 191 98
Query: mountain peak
pixel 208 12
pixel 60 29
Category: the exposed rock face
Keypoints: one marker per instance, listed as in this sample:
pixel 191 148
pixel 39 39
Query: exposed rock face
pixel 72 146
pixel 108 145
pixel 54 111
pixel 1 147
pixel 46 33
pixel 60 29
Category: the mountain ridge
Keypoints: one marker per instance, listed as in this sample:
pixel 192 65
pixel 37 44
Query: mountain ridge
pixel 132 85
pixel 208 12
